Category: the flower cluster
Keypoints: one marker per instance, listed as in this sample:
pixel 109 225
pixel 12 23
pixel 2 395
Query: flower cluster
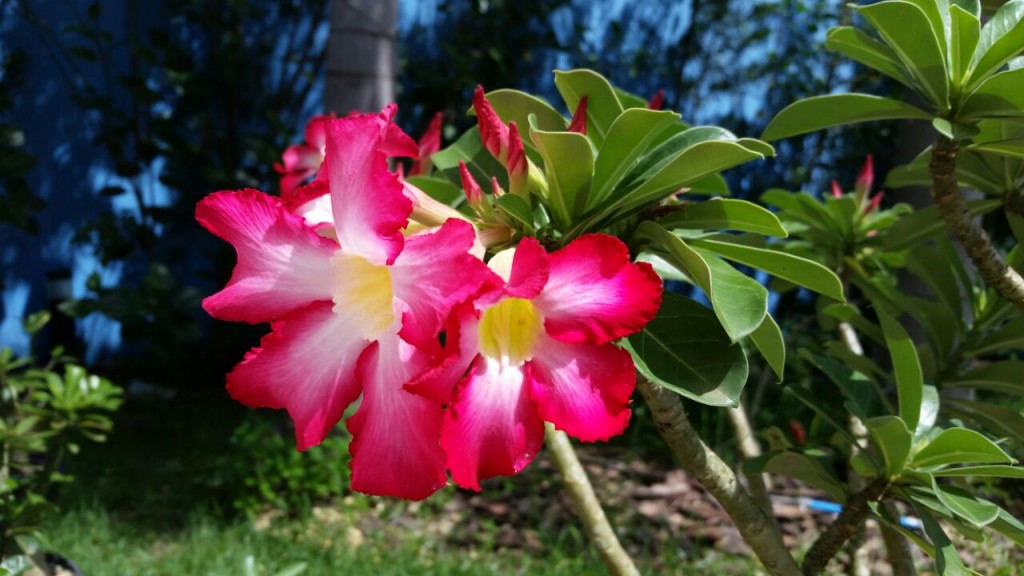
pixel 374 290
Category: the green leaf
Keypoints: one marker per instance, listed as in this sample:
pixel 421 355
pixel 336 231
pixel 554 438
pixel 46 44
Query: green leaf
pixel 629 136
pixel 861 47
pixel 1010 335
pixel 799 271
pixel 770 343
pixel 998 420
pixel 893 439
pixel 685 349
pixel 1001 39
pixel 908 30
pixel 851 315
pixel 516 208
pixel 690 165
pixel 947 561
pixel 440 189
pixel 603 105
pixel 738 300
pixel 930 405
pixel 469 149
pixel 1009 526
pixel 976 511
pixel 959 446
pixel 907 368
pixel 1006 376
pixel 569 164
pixel 965 32
pixel 1009 148
pixel 516 106
pixel 721 213
pixel 913 228
pixel 993 471
pixel 820 112
pixel 999 96
pixel 862 400
pixel 713 185
pixel 809 471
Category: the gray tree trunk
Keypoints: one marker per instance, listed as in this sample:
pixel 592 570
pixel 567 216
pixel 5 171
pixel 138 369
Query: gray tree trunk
pixel 361 56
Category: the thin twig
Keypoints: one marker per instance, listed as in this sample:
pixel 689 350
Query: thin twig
pixel 845 527
pixel 588 507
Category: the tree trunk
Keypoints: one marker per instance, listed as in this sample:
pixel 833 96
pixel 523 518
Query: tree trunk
pixel 361 56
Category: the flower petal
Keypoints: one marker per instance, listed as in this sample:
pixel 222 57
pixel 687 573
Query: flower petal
pixel 595 294
pixel 369 207
pixel 282 263
pixel 529 271
pixel 395 449
pixel 491 427
pixel 434 273
pixel 582 388
pixel 306 365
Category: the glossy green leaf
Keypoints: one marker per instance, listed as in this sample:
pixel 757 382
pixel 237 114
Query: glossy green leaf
pixel 809 471
pixel 907 369
pixel 725 214
pixel 1006 376
pixel 799 271
pixel 959 446
pixel 914 228
pixel 629 136
pixel 965 505
pixel 516 106
pixel 908 30
pixel 998 420
pixel 690 165
pixel 603 105
pixel 964 36
pixel 863 48
pixel 1000 96
pixel 1008 148
pixel 819 408
pixel 972 171
pixel 801 206
pixel 947 560
pixel 1008 336
pixel 440 189
pixel 1001 39
pixel 569 165
pixel 712 185
pixel 772 346
pixel 1009 526
pixel 851 315
pixel 820 112
pixel 739 301
pixel 469 149
pixel 862 399
pixel 893 439
pixel 972 7
pixel 987 471
pixel 516 208
pixel 685 349
pixel 629 100
pixel 930 405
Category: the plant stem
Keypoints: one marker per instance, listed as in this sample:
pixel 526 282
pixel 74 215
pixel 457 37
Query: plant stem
pixel 701 462
pixel 588 508
pixel 946 192
pixel 900 557
pixel 749 449
pixel 845 527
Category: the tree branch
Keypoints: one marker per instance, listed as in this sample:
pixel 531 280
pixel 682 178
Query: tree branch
pixel 706 466
pixel 749 449
pixel 588 508
pixel 946 192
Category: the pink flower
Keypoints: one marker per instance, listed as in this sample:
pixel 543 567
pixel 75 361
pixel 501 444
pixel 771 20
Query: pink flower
pixel 428 144
pixel 493 132
pixel 865 178
pixel 355 314
pixel 656 101
pixel 540 348
pixel 518 165
pixel 302 161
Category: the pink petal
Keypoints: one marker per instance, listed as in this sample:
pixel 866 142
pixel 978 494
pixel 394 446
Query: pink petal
pixel 461 347
pixel 837 192
pixel 396 142
pixel 579 118
pixel 493 132
pixel 301 158
pixel 395 433
pixel 491 427
pixel 657 100
pixel 434 273
pixel 529 270
pixel 582 388
pixel 595 293
pixel 866 177
pixel 316 133
pixel 282 263
pixel 428 144
pixel 369 207
pixel 306 365
pixel 517 166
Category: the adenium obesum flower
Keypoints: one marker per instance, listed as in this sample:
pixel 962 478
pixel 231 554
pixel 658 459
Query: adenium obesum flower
pixel 427 145
pixel 356 313
pixel 302 161
pixel 656 101
pixel 540 347
pixel 862 188
pixel 579 118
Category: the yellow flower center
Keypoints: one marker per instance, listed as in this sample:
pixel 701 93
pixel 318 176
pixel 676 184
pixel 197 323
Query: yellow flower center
pixel 509 330
pixel 365 291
